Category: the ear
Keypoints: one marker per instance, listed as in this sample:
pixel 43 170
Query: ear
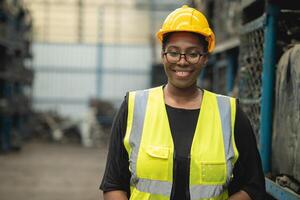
pixel 205 60
pixel 162 57
pixel 162 54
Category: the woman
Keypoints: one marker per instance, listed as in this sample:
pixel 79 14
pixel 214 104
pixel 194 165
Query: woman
pixel 164 147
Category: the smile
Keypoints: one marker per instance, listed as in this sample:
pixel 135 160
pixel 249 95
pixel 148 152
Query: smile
pixel 182 74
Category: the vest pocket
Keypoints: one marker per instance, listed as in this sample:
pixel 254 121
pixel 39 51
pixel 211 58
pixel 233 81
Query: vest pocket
pixel 154 163
pixel 213 172
pixel 158 152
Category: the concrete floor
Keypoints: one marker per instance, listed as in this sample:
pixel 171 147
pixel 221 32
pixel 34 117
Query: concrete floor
pixel 45 171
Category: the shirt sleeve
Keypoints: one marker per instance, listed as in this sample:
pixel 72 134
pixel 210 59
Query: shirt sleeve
pixel 117 174
pixel 247 173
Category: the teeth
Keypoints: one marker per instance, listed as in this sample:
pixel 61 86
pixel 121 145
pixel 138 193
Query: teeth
pixel 182 73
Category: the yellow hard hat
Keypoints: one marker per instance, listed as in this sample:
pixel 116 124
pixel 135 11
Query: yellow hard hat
pixel 188 19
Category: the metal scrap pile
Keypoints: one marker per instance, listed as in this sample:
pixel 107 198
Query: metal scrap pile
pixel 286 127
pixel 49 126
pixel 105 112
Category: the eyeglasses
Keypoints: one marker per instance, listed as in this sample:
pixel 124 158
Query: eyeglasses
pixel 174 57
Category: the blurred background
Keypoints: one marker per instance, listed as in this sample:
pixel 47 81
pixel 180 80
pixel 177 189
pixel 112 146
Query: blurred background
pixel 65 67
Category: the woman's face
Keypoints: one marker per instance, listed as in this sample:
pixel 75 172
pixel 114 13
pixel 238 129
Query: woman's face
pixel 182 74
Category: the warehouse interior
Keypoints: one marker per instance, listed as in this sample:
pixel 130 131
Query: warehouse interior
pixel 65 67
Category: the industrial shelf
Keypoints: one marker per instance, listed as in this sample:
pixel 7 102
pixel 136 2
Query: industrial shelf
pixel 15 41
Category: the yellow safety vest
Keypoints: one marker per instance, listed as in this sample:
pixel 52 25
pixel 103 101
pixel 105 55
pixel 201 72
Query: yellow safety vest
pixel 149 144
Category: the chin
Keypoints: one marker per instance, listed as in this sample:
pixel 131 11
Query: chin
pixel 183 85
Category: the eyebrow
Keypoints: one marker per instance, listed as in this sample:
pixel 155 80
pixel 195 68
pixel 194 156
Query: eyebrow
pixel 189 48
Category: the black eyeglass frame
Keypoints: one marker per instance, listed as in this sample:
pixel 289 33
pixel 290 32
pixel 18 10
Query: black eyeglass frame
pixel 184 55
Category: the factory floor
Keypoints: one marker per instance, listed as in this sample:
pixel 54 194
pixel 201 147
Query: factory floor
pixel 48 171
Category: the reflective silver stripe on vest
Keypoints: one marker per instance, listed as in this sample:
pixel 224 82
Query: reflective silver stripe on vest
pixel 140 104
pixel 154 187
pixel 144 185
pixel 205 191
pixel 198 192
pixel 164 188
pixel 225 114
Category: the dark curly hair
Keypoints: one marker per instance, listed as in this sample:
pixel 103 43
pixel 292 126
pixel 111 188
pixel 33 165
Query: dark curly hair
pixel 202 40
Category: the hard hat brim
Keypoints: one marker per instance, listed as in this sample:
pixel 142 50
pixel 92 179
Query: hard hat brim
pixel 210 36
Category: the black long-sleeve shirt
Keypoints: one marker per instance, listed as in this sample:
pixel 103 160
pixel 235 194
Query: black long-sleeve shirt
pixel 247 173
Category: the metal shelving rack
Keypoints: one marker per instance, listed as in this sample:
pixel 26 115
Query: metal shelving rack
pixel 15 76
pixel 259 39
pixel 220 72
pixel 252 77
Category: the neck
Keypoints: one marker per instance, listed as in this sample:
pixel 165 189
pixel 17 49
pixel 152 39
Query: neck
pixel 183 97
pixel 182 93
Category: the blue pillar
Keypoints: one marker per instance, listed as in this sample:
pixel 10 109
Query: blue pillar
pixel 6 124
pixel 18 118
pixel 6 119
pixel 99 71
pixel 268 85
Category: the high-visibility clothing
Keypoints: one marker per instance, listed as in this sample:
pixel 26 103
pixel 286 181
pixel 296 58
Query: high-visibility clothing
pixel 149 144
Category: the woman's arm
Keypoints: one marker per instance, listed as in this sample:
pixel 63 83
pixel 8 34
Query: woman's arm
pixel 115 195
pixel 116 178
pixel 248 179
pixel 241 195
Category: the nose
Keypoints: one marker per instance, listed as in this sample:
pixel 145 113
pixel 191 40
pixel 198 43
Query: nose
pixel 182 60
